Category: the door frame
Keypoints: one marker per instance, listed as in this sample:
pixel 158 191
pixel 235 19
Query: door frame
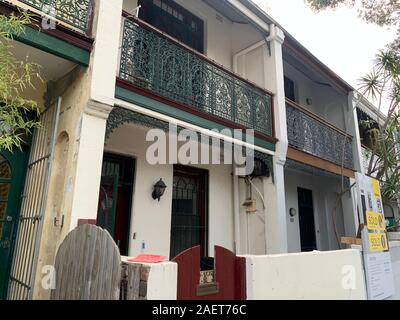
pixel 315 216
pixel 194 171
pixel 108 154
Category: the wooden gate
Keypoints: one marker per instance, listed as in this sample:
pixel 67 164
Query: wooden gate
pixel 88 266
pixel 227 281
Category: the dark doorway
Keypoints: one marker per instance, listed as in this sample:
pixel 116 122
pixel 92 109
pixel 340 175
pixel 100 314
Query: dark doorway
pixel 189 210
pixel 174 20
pixel 115 198
pixel 289 89
pixel 306 220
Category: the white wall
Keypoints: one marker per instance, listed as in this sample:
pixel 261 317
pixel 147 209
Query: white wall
pixel 326 101
pixel 252 225
pixel 305 276
pixel 324 195
pixel 151 220
pixel 163 281
pixel 395 255
pixel 251 66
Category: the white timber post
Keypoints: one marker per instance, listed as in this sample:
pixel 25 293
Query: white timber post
pixel 354 130
pixel 275 212
pixel 103 66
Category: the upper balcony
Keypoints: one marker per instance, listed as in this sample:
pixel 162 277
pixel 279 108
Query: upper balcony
pixel 312 134
pixel 320 120
pixel 74 14
pixel 157 63
pixel 186 54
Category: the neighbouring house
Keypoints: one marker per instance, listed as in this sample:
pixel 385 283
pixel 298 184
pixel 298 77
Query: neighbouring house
pixel 113 72
pixel 369 118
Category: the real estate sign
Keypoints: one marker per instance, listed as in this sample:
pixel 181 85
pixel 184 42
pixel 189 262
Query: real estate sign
pixel 377 260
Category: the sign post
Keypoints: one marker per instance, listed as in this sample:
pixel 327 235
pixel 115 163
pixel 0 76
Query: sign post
pixel 377 260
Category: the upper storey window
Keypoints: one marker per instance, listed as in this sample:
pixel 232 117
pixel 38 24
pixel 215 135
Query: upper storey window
pixel 162 4
pixel 174 20
pixel 289 89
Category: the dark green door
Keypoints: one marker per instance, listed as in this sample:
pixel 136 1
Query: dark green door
pixel 108 195
pixel 115 198
pixel 12 172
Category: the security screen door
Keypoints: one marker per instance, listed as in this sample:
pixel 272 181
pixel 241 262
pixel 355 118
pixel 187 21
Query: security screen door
pixel 189 210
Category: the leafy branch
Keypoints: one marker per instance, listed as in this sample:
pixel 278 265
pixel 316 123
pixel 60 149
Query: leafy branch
pixel 18 116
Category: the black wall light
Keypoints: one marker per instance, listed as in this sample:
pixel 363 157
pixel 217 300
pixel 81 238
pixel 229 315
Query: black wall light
pixel 158 190
pixel 292 212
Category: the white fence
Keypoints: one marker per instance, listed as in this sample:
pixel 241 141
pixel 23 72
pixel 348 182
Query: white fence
pixel 333 275
pixel 395 254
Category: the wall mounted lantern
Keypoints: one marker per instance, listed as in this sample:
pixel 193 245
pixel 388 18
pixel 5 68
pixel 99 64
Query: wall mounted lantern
pixel 292 212
pixel 158 190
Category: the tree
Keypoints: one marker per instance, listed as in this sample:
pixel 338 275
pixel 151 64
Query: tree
pixel 383 84
pixel 18 116
pixel 380 12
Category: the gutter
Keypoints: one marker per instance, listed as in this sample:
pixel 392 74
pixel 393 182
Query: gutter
pixel 260 25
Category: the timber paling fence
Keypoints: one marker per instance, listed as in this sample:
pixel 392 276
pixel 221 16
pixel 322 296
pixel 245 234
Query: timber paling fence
pixel 88 267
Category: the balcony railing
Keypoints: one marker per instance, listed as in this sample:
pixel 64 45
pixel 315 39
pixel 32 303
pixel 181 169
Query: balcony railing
pixel 158 63
pixel 312 134
pixel 75 13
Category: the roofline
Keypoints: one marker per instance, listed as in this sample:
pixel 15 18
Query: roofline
pixel 292 43
pixel 365 104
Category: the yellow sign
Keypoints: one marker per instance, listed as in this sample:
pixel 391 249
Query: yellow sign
pixel 376 221
pixel 376 188
pixel 378 242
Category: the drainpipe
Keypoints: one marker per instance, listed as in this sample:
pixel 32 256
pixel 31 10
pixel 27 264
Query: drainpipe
pixel 243 52
pixel 272 32
pixel 267 40
pixel 236 210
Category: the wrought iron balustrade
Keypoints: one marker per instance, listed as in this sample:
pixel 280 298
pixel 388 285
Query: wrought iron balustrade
pixel 155 62
pixel 75 13
pixel 309 133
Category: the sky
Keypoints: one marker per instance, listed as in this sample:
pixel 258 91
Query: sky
pixel 339 38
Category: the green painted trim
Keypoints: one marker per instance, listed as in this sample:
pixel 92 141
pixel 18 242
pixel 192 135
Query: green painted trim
pixel 176 113
pixel 50 44
pixel 18 161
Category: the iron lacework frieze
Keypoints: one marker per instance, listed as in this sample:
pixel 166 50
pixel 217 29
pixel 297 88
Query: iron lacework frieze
pixel 156 63
pixel 120 116
pixel 76 13
pixel 315 137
